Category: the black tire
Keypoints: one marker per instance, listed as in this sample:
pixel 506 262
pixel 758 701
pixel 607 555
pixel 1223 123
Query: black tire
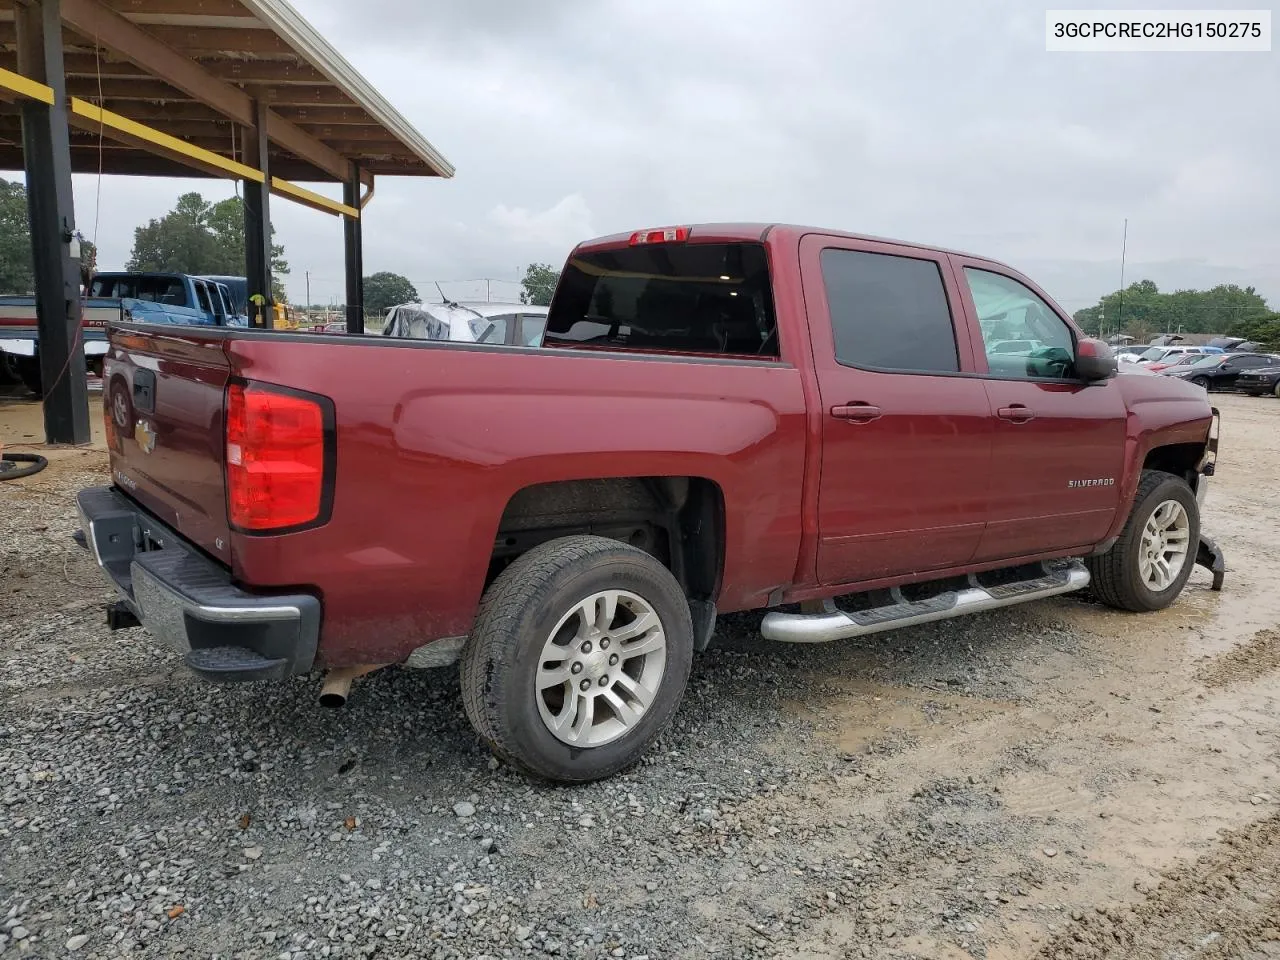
pixel 1117 581
pixel 1201 382
pixel 517 614
pixel 29 374
pixel 1276 389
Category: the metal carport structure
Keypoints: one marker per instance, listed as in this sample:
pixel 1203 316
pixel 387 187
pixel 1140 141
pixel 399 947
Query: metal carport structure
pixel 242 89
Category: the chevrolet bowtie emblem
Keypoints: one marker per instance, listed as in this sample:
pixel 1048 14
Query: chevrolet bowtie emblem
pixel 145 435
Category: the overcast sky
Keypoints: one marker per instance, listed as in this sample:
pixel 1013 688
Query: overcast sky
pixel 939 122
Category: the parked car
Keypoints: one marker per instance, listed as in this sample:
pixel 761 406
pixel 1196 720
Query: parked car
pixel 1124 354
pixel 1260 380
pixel 144 297
pixel 1219 372
pixel 722 418
pixel 1239 344
pixel 1178 360
pixel 1015 346
pixel 1165 354
pixel 513 324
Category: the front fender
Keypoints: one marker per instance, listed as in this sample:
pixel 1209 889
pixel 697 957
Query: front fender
pixel 1160 412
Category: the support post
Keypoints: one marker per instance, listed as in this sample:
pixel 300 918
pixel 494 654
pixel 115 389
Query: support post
pixel 353 242
pixel 257 221
pixel 47 156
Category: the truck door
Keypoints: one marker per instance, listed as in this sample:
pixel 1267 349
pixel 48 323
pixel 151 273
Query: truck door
pixel 1058 443
pixel 906 431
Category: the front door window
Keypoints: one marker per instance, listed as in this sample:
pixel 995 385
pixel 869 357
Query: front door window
pixel 1021 335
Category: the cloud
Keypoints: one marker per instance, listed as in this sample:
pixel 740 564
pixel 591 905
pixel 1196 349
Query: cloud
pixel 564 224
pixel 931 121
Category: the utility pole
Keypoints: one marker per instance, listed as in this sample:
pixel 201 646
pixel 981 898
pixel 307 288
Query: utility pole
pixel 486 289
pixel 308 293
pixel 1124 246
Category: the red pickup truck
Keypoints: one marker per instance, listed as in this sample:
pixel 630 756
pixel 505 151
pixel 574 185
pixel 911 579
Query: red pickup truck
pixel 857 434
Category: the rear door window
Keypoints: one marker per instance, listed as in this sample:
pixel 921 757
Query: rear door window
pixel 889 312
pixel 703 298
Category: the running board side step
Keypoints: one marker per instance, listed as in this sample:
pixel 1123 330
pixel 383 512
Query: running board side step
pixel 834 624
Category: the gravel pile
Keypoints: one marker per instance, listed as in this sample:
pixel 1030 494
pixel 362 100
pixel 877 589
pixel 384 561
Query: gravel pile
pixel 145 814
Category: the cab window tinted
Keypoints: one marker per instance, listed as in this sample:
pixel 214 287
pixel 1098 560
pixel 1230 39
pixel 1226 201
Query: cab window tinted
pixel 889 312
pixel 1022 335
pixel 167 290
pixel 706 298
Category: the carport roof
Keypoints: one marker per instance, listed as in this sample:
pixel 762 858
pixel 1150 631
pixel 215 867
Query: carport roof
pixel 192 69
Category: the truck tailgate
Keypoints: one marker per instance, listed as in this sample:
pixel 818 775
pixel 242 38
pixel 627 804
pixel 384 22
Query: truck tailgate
pixel 164 407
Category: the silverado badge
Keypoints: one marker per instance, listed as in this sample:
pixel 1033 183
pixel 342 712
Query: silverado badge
pixel 145 435
pixel 1099 482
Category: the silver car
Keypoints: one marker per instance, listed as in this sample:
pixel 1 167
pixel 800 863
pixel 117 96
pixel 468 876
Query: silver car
pixel 512 324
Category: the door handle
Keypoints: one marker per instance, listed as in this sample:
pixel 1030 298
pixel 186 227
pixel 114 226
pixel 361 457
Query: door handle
pixel 856 412
pixel 1016 413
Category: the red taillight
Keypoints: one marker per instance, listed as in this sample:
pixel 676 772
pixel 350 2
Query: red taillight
pixel 664 235
pixel 275 458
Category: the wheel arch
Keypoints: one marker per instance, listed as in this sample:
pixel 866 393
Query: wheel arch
pixel 680 520
pixel 1179 459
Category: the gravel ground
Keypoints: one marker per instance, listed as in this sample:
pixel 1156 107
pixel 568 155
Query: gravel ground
pixel 994 786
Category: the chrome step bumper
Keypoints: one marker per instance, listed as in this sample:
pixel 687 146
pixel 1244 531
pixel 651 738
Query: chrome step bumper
pixel 838 625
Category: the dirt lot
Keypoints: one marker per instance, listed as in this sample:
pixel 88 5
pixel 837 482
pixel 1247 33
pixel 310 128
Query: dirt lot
pixel 1058 780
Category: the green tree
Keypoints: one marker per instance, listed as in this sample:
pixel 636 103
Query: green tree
pixel 88 262
pixel 16 271
pixel 226 222
pixel 15 239
pixel 201 238
pixel 384 290
pixel 539 284
pixel 1142 311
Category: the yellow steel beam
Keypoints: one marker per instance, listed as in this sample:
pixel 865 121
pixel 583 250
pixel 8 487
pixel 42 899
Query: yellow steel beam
pixel 89 116
pixel 16 83
pixel 304 196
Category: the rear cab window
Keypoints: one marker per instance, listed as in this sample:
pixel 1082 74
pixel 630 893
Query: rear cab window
pixel 166 290
pixel 697 298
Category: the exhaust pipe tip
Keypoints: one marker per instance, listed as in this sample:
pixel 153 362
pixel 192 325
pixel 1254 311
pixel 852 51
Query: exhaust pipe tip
pixel 337 684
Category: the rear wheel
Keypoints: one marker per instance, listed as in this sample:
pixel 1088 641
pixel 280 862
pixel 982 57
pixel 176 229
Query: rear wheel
pixel 1150 563
pixel 579 658
pixel 1276 389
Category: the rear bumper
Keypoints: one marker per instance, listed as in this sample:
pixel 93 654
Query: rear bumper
pixel 189 602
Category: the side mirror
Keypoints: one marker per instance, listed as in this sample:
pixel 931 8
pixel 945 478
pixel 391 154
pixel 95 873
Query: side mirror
pixel 1094 360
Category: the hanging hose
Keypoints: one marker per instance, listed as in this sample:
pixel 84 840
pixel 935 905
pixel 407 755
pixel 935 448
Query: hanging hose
pixel 9 472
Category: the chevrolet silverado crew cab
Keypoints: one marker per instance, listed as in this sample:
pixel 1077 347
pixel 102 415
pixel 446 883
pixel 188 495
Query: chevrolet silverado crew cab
pixel 852 434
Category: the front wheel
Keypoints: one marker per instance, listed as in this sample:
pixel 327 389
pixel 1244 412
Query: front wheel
pixel 579 658
pixel 1201 382
pixel 1148 566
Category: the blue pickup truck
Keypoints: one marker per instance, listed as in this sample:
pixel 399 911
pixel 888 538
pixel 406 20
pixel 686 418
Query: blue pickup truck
pixel 145 297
